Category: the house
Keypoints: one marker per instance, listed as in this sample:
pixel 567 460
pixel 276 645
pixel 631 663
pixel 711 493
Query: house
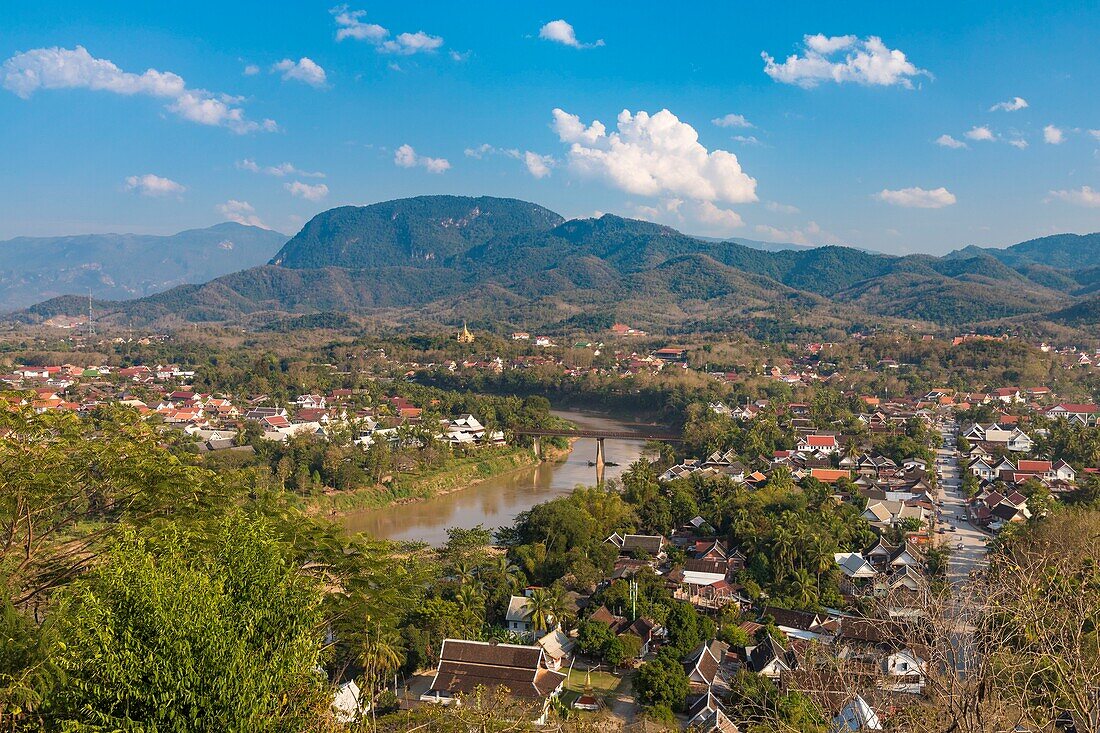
pixel 707 715
pixel 557 646
pixel 518 618
pixel 825 444
pixel 642 628
pixel 310 402
pixel 652 545
pixel 703 664
pixel 671 354
pixel 856 715
pixel 521 670
pixel 1085 414
pixel 347 704
pixel 769 658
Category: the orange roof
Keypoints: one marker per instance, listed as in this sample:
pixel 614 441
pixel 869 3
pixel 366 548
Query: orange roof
pixel 829 475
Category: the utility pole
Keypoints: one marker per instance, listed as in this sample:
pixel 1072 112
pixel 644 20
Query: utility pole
pixel 91 323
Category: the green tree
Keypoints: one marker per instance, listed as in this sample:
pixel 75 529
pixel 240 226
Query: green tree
pixel 661 682
pixel 176 633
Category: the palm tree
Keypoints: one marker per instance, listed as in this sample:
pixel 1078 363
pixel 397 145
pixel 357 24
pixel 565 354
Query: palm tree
pixel 469 598
pixel 805 587
pixel 509 572
pixel 380 654
pixel 540 609
pixel 464 572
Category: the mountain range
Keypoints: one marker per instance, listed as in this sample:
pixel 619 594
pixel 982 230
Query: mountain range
pixel 120 266
pixel 514 264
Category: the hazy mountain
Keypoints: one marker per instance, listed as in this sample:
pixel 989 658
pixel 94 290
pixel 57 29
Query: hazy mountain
pixel 118 266
pixel 1061 251
pixel 444 258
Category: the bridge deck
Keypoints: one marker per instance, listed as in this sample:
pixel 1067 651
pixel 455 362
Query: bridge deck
pixel 608 434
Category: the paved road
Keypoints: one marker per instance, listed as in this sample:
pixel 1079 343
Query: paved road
pixel 953 514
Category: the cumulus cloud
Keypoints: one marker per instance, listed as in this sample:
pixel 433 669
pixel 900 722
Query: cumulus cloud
pixel 917 198
pixel 240 212
pixel 746 139
pixel 982 133
pixel 304 70
pixel 538 165
pixel 843 59
pixel 63 68
pixel 718 218
pixel 654 155
pixel 1053 135
pixel 562 32
pixel 406 157
pixel 1084 196
pixel 407 44
pixel 350 24
pixel 279 171
pixel 153 185
pixel 947 141
pixel 1016 103
pixel 307 191
pixel 731 120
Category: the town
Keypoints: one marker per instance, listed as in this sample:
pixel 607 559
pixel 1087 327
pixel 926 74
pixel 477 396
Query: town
pixel 791 547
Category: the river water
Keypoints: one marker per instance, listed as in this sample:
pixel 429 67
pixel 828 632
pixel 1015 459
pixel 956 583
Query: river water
pixel 496 501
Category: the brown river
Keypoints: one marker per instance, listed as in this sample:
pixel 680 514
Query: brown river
pixel 496 501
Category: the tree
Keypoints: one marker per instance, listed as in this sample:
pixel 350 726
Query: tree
pixel 541 609
pixel 146 634
pixel 661 682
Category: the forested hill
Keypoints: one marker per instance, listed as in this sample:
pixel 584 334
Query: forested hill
pixel 1060 251
pixel 118 266
pixel 442 259
pixel 425 230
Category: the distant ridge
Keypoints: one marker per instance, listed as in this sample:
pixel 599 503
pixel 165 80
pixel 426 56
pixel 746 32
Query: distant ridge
pixel 442 259
pixel 1060 251
pixel 117 266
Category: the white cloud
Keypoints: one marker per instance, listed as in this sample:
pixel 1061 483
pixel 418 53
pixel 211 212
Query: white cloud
pixel 1018 142
pixel 717 218
pixel 949 142
pixel 731 120
pixel 251 70
pixel 1084 196
pixel 307 191
pixel 279 171
pixel 538 165
pixel 407 44
pixel 1053 135
pixel 1011 105
pixel 1095 134
pixel 746 139
pixel 781 208
pixel 240 212
pixel 654 155
pixel 152 185
pixel 459 57
pixel 349 24
pixel 917 198
pixel 304 70
pixel 64 68
pixel 562 32
pixel 982 133
pixel 406 157
pixel 811 234
pixel 843 59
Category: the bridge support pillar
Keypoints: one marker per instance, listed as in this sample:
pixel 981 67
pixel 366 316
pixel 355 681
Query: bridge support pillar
pixel 537 445
pixel 599 461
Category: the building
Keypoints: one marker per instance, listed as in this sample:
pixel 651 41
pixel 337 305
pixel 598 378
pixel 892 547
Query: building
pixel 464 336
pixel 521 670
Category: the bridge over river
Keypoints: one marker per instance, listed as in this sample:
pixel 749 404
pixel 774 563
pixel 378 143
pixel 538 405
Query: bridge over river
pixel 599 436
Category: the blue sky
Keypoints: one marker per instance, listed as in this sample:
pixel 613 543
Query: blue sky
pixel 270 113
